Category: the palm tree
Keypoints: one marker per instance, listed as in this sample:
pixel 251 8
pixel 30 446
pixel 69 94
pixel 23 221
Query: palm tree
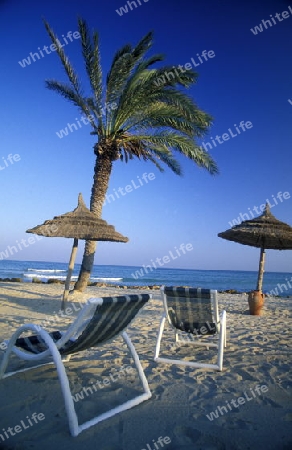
pixel 136 115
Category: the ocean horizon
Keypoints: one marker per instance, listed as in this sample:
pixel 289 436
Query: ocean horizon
pixel 275 283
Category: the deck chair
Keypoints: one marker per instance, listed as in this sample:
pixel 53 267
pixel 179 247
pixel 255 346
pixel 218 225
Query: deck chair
pixel 191 311
pixel 99 321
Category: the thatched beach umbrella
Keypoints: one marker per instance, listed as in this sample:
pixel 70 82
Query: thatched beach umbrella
pixel 78 224
pixel 264 232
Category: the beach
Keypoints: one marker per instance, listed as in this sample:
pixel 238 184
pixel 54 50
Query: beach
pixel 246 406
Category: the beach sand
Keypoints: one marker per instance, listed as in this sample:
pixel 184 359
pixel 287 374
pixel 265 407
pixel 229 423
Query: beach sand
pixel 258 353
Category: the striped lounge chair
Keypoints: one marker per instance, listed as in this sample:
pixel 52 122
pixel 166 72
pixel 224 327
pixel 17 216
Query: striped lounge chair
pixel 99 321
pixel 191 311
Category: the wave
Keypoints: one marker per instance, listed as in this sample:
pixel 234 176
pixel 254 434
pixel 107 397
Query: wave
pixel 47 277
pixel 63 277
pixel 105 279
pixel 46 270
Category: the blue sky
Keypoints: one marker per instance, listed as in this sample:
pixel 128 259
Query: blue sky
pixel 249 79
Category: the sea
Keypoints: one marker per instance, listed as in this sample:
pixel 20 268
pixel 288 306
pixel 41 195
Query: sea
pixel 275 283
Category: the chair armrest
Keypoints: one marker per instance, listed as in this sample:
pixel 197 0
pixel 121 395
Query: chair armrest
pixel 222 317
pixel 29 327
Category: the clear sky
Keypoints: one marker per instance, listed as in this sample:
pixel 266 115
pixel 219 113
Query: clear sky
pixel 248 80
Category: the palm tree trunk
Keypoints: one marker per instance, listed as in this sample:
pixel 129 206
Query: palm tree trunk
pixel 102 172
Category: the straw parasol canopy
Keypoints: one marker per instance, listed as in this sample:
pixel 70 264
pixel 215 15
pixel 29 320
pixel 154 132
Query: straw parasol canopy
pixel 264 232
pixel 78 224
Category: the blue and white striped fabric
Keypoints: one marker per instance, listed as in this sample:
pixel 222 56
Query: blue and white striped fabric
pixel 109 319
pixel 190 310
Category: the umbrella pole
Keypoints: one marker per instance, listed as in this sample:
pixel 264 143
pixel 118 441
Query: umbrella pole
pixel 69 274
pixel 261 270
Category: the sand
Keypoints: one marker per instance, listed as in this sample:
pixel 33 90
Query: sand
pixel 258 353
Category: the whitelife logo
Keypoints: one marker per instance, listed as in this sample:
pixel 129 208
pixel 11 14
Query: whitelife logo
pixel 135 184
pixel 101 384
pixel 24 424
pixel 240 401
pixel 244 125
pixel 9 160
pixel 275 291
pixel 183 248
pixel 259 28
pixel 32 56
pixel 158 444
pixel 259 209
pixel 73 127
pixel 205 55
pixel 124 9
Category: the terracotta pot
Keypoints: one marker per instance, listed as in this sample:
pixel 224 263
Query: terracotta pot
pixel 256 301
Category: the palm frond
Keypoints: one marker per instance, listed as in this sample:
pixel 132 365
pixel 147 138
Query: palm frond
pixel 122 66
pixel 172 76
pixel 143 46
pixel 141 91
pixel 182 144
pixel 91 57
pixel 202 159
pixel 127 48
pixel 161 115
pixel 190 109
pixel 142 148
pixel 152 159
pixel 69 94
pixel 167 158
pixel 144 64
pixel 117 76
pixel 64 60
pixel 167 108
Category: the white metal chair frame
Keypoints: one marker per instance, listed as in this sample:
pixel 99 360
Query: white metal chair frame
pixel 220 322
pixel 53 351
